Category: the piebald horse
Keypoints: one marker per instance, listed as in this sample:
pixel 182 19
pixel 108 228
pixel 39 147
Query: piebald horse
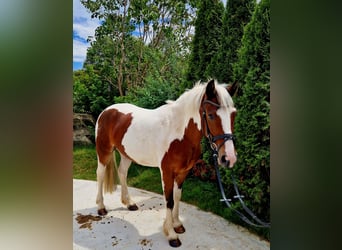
pixel 167 137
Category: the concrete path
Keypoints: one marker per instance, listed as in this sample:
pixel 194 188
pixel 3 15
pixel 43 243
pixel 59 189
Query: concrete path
pixel 142 229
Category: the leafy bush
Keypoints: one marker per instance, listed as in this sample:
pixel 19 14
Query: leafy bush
pixel 152 95
pixel 90 94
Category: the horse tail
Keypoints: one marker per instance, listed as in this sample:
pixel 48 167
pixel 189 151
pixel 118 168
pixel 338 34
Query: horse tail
pixel 111 176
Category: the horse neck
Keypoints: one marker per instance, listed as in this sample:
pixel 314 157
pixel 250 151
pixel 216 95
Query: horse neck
pixel 187 107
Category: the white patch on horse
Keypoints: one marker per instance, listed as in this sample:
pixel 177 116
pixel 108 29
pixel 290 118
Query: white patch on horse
pixel 153 130
pixel 224 114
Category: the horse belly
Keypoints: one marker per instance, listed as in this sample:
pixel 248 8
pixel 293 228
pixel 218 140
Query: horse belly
pixel 143 148
pixel 142 154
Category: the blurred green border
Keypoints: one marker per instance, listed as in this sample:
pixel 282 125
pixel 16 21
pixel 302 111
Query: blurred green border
pixel 36 124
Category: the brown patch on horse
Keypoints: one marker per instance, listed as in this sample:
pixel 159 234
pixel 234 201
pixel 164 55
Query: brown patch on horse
pixel 112 126
pixel 212 118
pixel 182 154
pixel 179 159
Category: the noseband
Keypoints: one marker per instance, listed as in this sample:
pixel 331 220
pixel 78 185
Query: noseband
pixel 212 139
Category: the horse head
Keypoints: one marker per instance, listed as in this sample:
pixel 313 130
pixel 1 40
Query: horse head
pixel 218 113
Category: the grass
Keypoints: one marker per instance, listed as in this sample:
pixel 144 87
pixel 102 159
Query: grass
pixel 145 178
pixel 204 195
pixel 84 163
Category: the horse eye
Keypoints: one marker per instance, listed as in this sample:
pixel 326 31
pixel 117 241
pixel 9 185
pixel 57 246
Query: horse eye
pixel 211 116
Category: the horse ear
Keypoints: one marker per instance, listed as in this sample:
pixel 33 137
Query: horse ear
pixel 210 90
pixel 233 88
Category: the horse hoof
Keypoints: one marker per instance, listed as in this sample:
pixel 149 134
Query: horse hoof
pixel 179 229
pixel 133 207
pixel 102 211
pixel 175 243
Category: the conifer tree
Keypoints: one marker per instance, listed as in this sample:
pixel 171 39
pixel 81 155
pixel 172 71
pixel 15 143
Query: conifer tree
pixel 205 44
pixel 237 14
pixel 206 39
pixel 252 123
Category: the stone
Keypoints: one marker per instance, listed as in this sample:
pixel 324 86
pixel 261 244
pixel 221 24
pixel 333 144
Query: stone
pixel 83 129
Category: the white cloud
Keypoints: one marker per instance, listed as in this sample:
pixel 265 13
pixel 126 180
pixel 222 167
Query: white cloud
pixel 83 26
pixel 79 51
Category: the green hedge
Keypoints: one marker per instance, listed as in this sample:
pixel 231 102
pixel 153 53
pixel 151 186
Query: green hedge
pixel 252 123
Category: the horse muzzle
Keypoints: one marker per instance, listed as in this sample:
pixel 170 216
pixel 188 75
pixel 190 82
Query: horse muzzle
pixel 226 161
pixel 225 150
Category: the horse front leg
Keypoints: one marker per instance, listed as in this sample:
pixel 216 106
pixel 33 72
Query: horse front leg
pixel 177 193
pixel 168 227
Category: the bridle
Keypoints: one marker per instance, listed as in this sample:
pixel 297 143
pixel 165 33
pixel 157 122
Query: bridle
pixel 226 137
pixel 212 139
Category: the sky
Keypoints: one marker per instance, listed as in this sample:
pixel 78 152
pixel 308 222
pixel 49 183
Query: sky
pixel 84 26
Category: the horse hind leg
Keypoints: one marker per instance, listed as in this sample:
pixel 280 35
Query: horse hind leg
pixel 122 172
pixel 105 179
pixel 168 226
pixel 100 173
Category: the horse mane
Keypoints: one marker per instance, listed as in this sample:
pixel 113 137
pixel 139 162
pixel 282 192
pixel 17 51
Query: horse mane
pixel 191 99
pixel 195 95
